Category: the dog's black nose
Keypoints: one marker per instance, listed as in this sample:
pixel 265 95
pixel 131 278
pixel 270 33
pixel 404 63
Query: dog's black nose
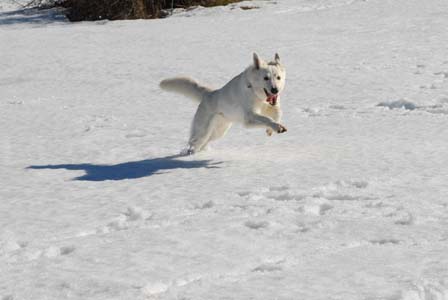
pixel 274 90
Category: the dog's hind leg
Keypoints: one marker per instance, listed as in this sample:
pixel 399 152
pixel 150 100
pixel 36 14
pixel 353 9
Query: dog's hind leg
pixel 221 127
pixel 202 129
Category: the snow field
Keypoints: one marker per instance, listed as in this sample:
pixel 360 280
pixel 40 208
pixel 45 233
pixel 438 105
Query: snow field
pixel 350 203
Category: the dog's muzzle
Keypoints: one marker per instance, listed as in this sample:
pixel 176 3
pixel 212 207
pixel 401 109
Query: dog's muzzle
pixel 271 98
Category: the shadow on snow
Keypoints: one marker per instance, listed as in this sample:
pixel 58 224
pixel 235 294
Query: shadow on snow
pixel 31 16
pixel 132 169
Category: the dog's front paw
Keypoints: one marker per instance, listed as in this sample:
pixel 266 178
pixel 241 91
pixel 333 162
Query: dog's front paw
pixel 269 131
pixel 280 128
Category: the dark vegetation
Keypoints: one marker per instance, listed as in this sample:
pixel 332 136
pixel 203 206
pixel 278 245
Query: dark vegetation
pixel 92 10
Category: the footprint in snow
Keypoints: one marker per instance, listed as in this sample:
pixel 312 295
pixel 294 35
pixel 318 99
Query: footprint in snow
pixel 256 224
pixel 399 215
pixel 285 196
pixel 278 193
pixel 405 218
pixel 136 134
pixel 9 245
pixel 382 242
pixel 431 86
pixel 315 207
pixel 436 289
pixel 317 199
pixel 152 289
pixel 399 104
pixel 244 194
pixel 283 193
pixel 133 217
pixel 443 74
pixel 54 251
pixel 25 253
pixel 268 267
pixel 279 188
pixel 337 107
pixel 420 69
pixel 206 205
pixel 350 190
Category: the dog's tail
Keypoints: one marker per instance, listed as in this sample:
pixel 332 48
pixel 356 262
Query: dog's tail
pixel 185 86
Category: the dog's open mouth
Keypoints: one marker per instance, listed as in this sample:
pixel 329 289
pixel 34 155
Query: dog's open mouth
pixel 271 99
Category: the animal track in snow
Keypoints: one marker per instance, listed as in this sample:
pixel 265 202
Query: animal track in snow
pixel 385 242
pixel 316 207
pixel 312 111
pixel 431 86
pixel 284 196
pixel 420 69
pixel 298 208
pixel 338 190
pixel 154 288
pixel 337 107
pixel 442 77
pixel 9 245
pixel 133 217
pixel 14 251
pixel 268 267
pixel 350 190
pixel 304 227
pixel 405 218
pixel 443 74
pixel 206 205
pixel 53 251
pixel 406 105
pixel 98 122
pixel 279 188
pixel 400 216
pixel 244 194
pixel 67 250
pixel 315 201
pixel 283 193
pixel 278 193
pixel 325 111
pixel 373 242
pixel 138 133
pixel 360 184
pixel 398 104
pixel 396 214
pixel 426 290
pixel 256 224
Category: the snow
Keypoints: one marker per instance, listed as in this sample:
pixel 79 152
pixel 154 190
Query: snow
pixel 350 203
pixel 402 103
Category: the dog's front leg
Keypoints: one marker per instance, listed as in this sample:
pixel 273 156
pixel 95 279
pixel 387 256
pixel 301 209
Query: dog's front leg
pixel 274 112
pixel 256 120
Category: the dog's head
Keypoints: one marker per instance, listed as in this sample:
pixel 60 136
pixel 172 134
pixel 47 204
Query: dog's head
pixel 267 79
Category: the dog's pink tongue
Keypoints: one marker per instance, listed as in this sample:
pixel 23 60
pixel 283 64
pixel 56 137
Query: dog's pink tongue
pixel 272 100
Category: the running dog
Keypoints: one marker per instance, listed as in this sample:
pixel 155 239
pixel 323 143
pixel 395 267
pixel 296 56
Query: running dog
pixel 251 98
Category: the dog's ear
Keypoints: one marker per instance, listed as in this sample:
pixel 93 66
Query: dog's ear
pixel 277 58
pixel 257 61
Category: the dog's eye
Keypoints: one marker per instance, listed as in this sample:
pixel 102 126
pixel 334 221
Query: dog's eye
pixel 266 78
pixel 278 77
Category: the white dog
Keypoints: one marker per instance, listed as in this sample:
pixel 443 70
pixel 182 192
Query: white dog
pixel 251 98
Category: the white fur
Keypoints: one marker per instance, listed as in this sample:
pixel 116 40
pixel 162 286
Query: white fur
pixel 242 99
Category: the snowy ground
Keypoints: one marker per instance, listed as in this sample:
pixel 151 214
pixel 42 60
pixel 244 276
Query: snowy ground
pixel 350 203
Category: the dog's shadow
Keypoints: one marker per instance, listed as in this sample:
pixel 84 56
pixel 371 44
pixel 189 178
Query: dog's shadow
pixel 132 169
